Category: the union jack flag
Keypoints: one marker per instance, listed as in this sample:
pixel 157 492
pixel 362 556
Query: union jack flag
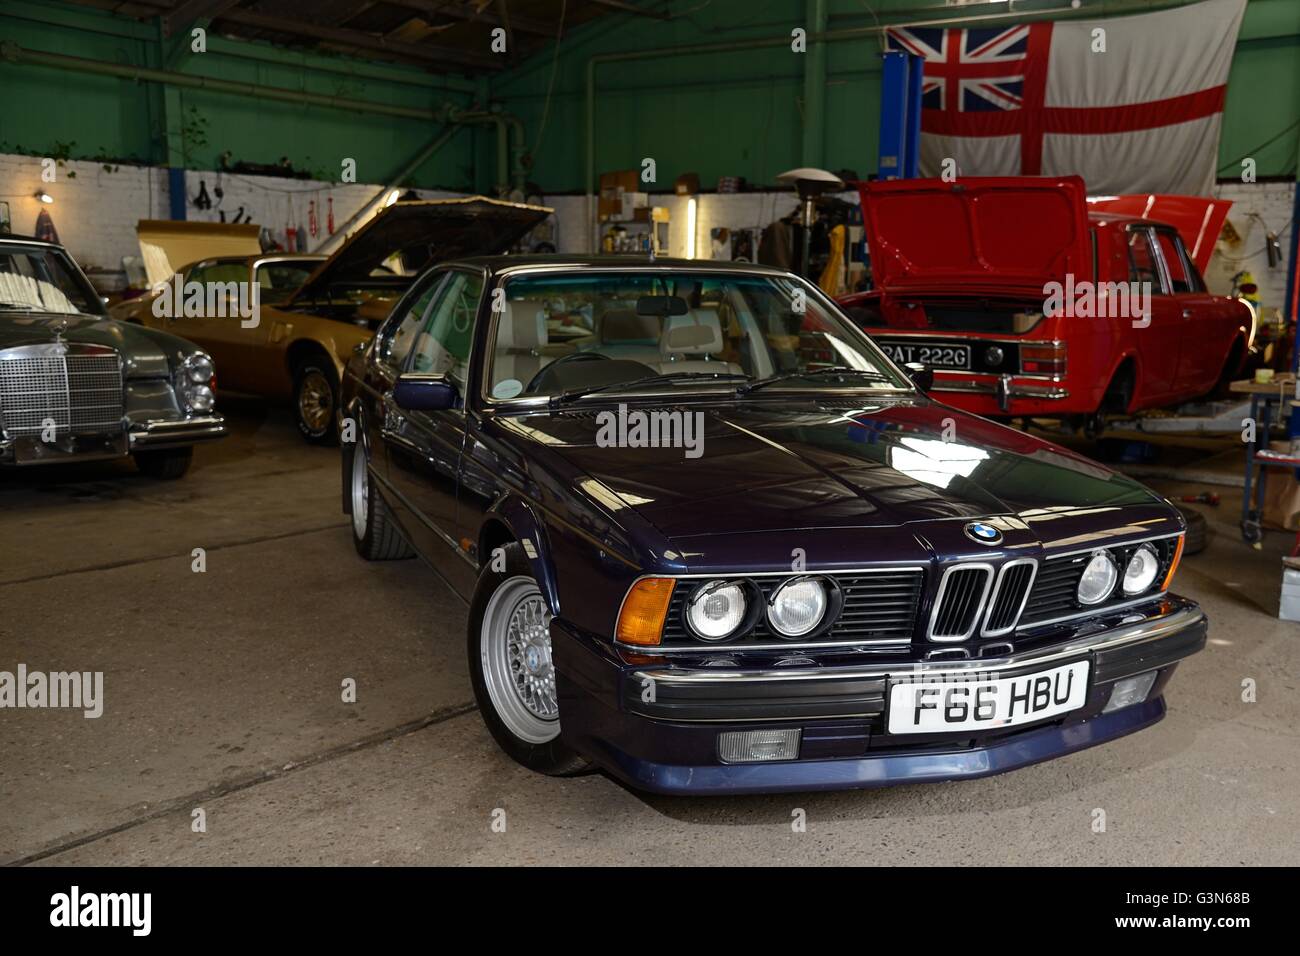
pixel 1141 113
pixel 970 71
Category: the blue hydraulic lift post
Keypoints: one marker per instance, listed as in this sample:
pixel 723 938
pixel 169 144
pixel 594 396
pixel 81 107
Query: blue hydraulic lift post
pixel 900 115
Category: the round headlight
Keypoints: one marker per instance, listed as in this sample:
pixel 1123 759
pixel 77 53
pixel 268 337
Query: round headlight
pixel 1098 579
pixel 198 368
pixel 199 399
pixel 1141 571
pixel 797 607
pixel 716 610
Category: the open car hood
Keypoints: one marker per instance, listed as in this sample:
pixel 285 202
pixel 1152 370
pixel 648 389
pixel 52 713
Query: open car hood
pixel 166 246
pixel 989 233
pixel 1198 219
pixel 424 232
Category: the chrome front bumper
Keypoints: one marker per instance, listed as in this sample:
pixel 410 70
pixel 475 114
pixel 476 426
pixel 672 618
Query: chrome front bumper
pixel 31 450
pixel 1138 641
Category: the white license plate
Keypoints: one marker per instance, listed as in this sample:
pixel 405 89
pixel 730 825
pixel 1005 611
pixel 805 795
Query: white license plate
pixel 930 707
pixel 936 356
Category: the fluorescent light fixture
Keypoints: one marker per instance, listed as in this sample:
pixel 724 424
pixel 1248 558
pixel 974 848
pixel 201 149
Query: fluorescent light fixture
pixel 392 197
pixel 44 196
pixel 690 228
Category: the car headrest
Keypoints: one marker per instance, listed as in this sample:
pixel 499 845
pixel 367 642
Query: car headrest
pixel 522 326
pixel 624 325
pixel 697 333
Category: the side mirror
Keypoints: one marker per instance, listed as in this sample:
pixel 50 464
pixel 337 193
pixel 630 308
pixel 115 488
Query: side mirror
pixel 424 392
pixel 922 376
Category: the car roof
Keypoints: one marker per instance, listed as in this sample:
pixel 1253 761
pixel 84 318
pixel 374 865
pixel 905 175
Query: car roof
pixel 1101 218
pixel 508 263
pixel 29 241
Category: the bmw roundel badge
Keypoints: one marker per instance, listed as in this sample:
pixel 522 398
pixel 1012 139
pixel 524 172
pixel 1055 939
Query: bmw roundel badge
pixel 983 533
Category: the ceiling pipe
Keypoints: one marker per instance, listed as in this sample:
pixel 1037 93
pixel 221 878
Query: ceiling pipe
pixel 827 36
pixel 14 53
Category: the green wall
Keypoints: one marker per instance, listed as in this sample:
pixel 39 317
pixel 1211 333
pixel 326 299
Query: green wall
pixel 741 113
pixel 736 113
pixel 126 121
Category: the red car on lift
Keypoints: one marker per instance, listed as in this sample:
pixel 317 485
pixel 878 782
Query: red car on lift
pixel 1027 298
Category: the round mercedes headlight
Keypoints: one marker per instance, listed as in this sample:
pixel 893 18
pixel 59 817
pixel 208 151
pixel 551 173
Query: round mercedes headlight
pixel 1141 571
pixel 198 369
pixel 797 607
pixel 716 610
pixel 194 383
pixel 1098 579
pixel 200 399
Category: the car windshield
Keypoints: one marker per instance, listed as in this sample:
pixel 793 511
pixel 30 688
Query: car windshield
pixel 566 335
pixel 42 279
pixel 278 280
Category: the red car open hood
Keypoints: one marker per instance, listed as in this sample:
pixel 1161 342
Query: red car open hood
pixel 1198 219
pixel 992 233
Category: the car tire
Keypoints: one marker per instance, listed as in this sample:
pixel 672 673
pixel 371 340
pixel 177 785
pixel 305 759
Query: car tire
pixel 524 721
pixel 374 533
pixel 316 399
pixel 165 465
pixel 1198 531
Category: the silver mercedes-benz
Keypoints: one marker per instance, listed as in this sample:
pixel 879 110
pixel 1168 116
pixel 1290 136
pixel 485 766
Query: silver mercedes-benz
pixel 77 385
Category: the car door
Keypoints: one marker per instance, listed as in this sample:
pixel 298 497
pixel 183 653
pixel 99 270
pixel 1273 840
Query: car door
pixel 1203 347
pixel 424 448
pixel 1158 343
pixel 392 349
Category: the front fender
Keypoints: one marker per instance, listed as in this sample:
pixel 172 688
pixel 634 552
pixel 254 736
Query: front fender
pixel 526 527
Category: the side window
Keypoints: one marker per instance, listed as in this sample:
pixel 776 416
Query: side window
pixel 1142 260
pixel 218 272
pixel 1171 250
pixel 444 340
pixel 402 331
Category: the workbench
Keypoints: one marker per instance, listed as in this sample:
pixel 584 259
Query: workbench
pixel 1263 396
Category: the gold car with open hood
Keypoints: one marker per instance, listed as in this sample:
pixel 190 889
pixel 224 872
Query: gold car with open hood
pixel 282 325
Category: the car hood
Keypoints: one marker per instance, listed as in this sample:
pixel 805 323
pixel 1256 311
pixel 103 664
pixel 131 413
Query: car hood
pixel 766 466
pixel 167 245
pixel 424 232
pixel 986 233
pixel 147 353
pixel 1198 219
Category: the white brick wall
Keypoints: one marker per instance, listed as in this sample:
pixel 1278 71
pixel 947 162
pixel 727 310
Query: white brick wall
pixel 95 211
pixel 1271 204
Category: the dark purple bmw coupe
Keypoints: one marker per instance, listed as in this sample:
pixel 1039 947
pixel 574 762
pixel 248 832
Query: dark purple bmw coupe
pixel 714 540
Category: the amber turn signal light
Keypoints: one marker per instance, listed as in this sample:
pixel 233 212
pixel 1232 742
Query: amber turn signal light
pixel 1173 565
pixel 641 620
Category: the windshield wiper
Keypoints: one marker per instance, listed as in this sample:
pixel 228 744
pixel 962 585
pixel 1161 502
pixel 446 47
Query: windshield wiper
pixel 809 373
pixel 572 393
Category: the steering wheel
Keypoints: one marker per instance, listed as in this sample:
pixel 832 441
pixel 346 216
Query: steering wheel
pixel 571 357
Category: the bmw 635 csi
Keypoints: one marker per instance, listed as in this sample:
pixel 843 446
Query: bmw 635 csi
pixel 75 384
pixel 720 542
pixel 1030 301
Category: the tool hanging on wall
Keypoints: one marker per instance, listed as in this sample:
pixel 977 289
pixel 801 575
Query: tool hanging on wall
pixel 313 224
pixel 329 222
pixel 290 233
pixel 202 200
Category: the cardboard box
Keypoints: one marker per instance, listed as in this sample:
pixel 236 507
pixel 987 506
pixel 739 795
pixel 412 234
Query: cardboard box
pixel 631 202
pixel 612 187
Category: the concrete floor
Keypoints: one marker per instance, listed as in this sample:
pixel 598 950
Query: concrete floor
pixel 223 694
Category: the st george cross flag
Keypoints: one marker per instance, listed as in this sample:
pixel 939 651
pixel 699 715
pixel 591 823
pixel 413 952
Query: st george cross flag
pixel 1131 104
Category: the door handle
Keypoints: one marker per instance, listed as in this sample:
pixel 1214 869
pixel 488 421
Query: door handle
pixel 1187 313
